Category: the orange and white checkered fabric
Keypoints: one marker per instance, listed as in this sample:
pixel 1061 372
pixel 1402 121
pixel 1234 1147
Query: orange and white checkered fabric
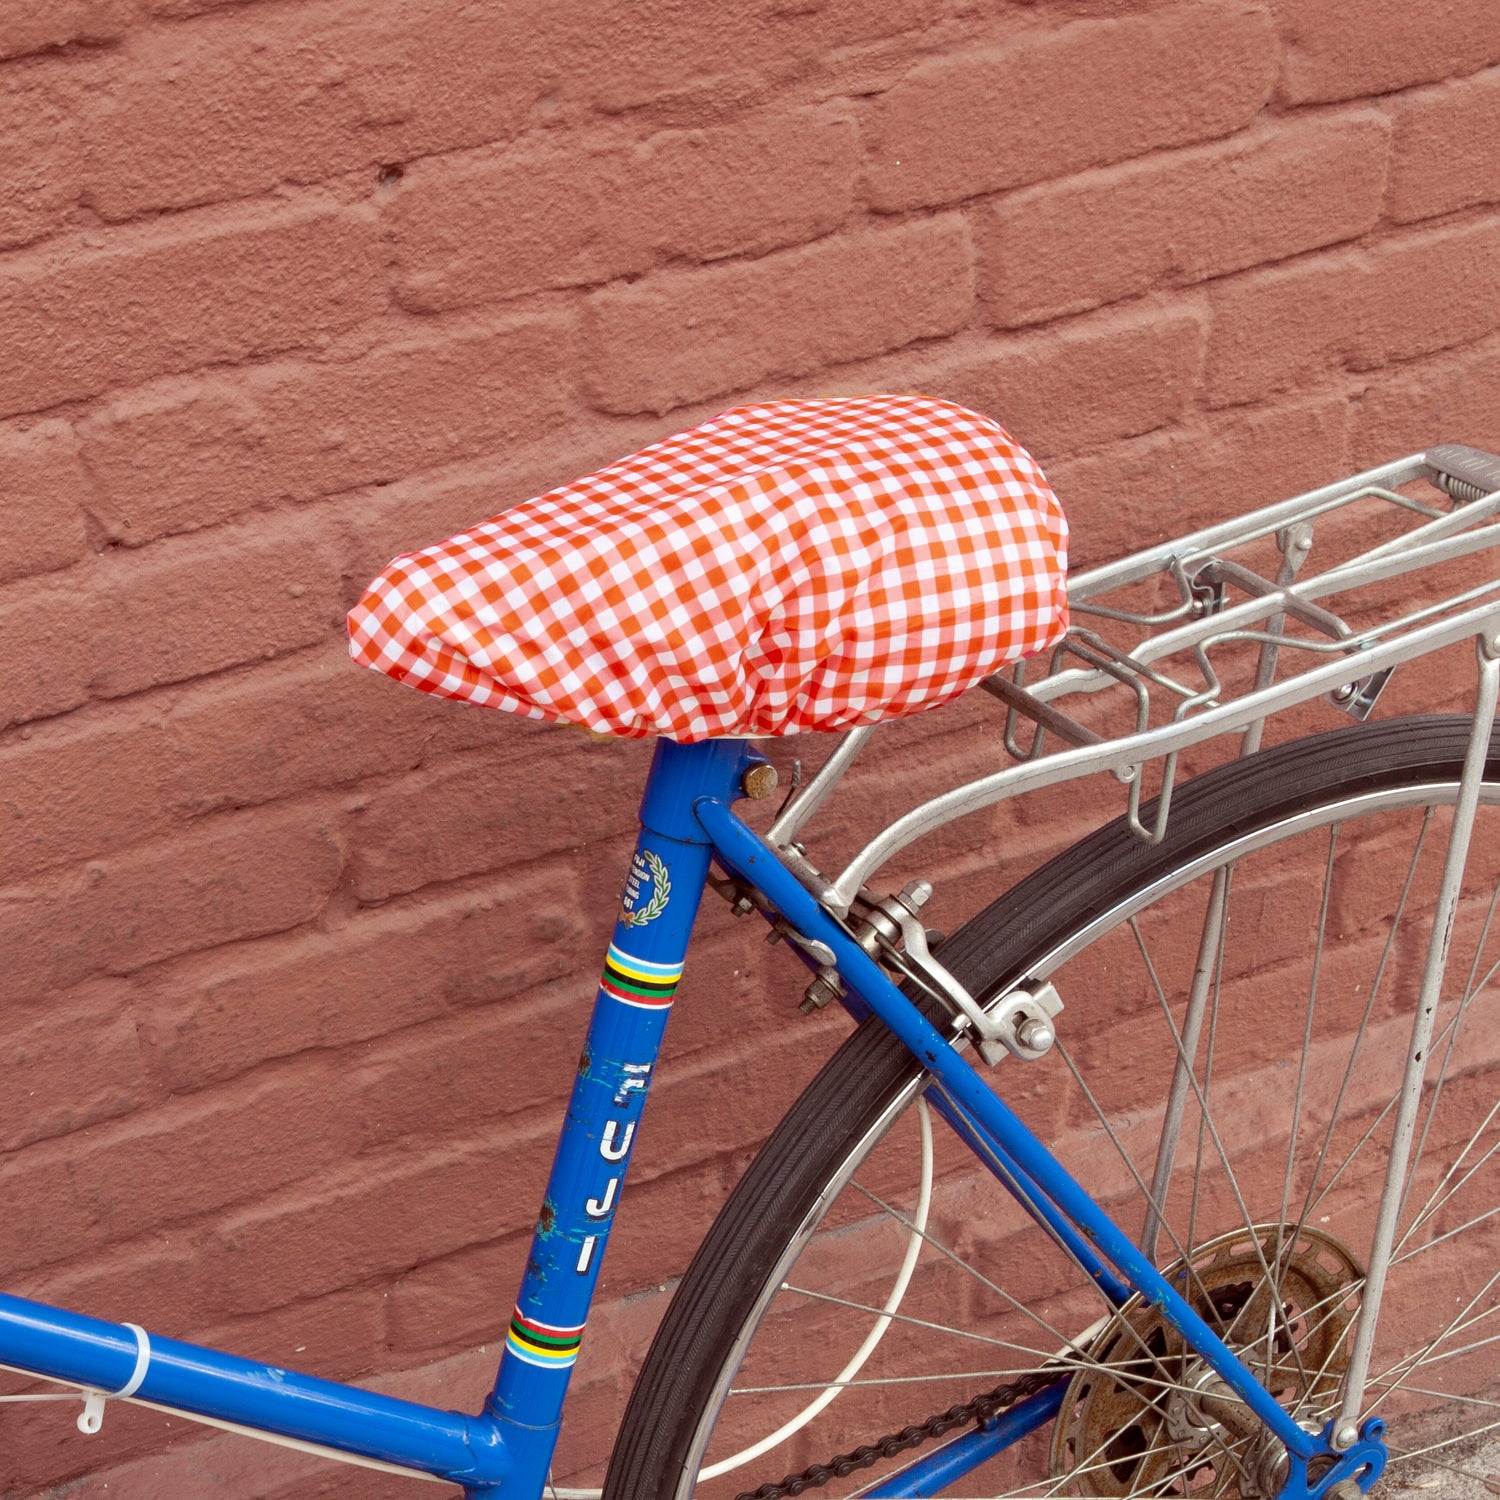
pixel 793 566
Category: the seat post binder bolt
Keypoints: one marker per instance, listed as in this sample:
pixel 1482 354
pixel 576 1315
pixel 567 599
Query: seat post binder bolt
pixel 759 781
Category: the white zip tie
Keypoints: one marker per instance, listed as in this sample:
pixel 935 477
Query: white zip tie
pixel 91 1418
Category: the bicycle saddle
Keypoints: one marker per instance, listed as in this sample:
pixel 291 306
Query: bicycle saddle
pixel 791 566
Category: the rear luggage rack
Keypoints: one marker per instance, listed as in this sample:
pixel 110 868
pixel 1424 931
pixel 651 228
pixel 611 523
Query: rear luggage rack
pixel 1213 633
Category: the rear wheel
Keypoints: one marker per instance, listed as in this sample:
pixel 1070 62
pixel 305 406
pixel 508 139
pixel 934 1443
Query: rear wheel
pixel 861 1281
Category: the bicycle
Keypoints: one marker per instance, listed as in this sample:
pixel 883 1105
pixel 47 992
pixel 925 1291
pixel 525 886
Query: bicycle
pixel 1199 1259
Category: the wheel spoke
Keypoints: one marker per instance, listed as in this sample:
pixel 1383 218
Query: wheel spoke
pixel 964 1267
pixel 948 1330
pixel 1406 1455
pixel 1449 1234
pixel 1439 1198
pixel 1422 1390
pixel 1426 1358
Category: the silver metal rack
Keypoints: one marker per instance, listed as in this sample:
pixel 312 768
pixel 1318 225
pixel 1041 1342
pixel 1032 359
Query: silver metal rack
pixel 1214 633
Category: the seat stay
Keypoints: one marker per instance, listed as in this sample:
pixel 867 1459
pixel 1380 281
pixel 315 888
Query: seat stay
pixel 990 1118
pixel 1036 1203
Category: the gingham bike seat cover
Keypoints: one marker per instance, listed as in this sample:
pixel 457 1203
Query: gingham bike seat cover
pixel 790 566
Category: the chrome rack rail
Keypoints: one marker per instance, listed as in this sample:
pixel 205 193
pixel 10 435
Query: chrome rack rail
pixel 1216 632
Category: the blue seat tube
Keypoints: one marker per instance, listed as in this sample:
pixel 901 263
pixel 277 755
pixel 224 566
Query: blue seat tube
pixel 660 901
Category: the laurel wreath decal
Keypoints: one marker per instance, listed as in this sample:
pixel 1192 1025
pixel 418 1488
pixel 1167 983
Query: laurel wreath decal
pixel 661 890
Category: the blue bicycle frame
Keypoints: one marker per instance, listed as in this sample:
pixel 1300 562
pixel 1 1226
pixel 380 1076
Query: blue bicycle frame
pixel 686 822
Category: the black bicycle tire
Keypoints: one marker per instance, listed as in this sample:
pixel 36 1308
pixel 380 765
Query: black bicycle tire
pixel 871 1068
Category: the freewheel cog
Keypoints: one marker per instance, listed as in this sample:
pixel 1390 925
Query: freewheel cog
pixel 1145 1416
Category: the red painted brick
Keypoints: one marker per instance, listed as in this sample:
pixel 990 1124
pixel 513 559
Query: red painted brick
pixel 1080 96
pixel 154 1280
pixel 1409 295
pixel 684 336
pixel 310 723
pixel 26 26
pixel 1274 328
pixel 484 229
pixel 1180 218
pixel 1454 398
pixel 625 56
pixel 75 1064
pixel 374 1217
pixel 768 180
pixel 39 1447
pixel 453 1074
pixel 197 451
pixel 180 9
pixel 437 1305
pixel 184 608
pixel 179 294
pixel 335 1337
pixel 341 1484
pixel 229 1467
pixel 482 811
pixel 1443 149
pixel 43 496
pixel 731 970
pixel 1083 383
pixel 187 1158
pixel 1344 49
pixel 1427 292
pixel 72 791
pixel 240 102
pixel 216 1015
pixel 238 877
pixel 39 107
pixel 565 214
pixel 49 654
pixel 1146 490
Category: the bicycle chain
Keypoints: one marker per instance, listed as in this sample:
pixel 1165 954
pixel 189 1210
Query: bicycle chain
pixel 983 1408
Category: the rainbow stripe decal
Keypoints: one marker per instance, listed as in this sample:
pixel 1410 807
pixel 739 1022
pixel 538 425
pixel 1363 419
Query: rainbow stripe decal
pixel 636 982
pixel 541 1343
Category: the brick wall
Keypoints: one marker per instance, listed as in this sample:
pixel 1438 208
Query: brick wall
pixel 295 961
